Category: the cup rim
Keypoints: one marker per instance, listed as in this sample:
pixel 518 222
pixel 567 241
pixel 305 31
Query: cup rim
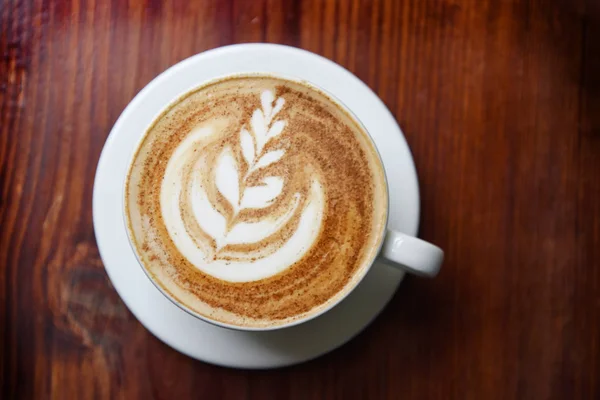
pixel 349 288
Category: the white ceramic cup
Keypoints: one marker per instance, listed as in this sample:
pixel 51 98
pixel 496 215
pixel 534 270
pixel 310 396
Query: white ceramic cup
pixel 396 249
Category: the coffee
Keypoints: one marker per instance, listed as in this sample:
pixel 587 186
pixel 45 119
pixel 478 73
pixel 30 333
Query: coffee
pixel 255 201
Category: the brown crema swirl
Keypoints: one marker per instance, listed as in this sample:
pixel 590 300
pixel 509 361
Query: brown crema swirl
pixel 320 149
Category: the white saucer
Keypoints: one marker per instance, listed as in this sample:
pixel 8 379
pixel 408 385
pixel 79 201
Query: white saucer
pixel 179 329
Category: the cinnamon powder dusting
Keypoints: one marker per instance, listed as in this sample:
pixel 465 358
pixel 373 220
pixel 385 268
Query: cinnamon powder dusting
pixel 321 141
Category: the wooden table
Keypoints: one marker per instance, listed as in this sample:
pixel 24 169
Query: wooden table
pixel 499 101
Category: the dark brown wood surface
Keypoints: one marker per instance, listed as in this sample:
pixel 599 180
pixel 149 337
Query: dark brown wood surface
pixel 499 101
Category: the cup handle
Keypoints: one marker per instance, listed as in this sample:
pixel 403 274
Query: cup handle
pixel 411 254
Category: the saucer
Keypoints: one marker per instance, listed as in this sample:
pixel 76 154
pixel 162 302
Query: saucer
pixel 190 335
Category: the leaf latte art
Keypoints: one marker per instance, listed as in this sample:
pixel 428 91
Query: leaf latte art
pixel 220 231
pixel 255 200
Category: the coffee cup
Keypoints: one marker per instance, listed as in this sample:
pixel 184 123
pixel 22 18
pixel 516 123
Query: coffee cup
pixel 257 202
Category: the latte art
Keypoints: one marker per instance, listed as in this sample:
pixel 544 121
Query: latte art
pixel 210 201
pixel 255 201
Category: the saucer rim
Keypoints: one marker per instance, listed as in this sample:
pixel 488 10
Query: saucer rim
pixel 200 58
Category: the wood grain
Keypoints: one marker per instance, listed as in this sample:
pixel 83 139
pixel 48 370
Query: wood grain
pixel 500 103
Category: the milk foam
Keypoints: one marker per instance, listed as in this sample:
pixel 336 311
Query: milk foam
pixel 255 201
pixel 189 160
